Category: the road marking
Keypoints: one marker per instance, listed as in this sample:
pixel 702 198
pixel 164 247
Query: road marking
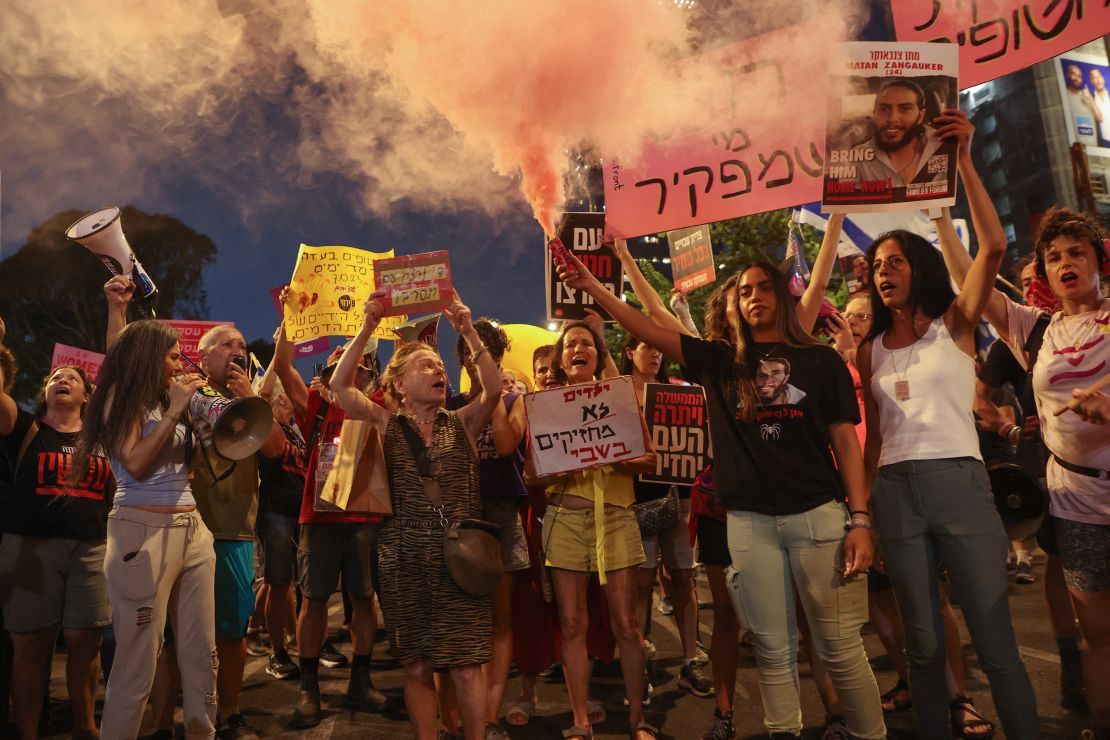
pixel 1039 654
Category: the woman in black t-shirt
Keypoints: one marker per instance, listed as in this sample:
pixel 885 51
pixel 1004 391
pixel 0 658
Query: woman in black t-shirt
pixel 52 551
pixel 780 405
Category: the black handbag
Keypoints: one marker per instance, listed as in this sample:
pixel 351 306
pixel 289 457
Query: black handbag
pixel 658 515
pixel 471 547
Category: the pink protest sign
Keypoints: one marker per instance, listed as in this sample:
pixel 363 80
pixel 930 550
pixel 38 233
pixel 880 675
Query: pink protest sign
pixel 997 37
pixel 87 360
pixel 190 333
pixel 744 156
pixel 316 346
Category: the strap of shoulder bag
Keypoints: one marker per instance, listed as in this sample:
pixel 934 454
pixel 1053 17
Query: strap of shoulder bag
pixel 422 458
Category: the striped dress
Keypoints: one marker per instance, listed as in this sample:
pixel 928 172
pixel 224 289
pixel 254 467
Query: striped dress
pixel 428 617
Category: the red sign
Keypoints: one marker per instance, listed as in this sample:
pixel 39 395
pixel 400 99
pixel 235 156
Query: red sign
pixel 997 37
pixel 417 283
pixel 691 258
pixel 87 360
pixel 190 332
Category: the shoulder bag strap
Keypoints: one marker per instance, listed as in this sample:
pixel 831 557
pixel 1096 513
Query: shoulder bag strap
pixel 24 445
pixel 423 462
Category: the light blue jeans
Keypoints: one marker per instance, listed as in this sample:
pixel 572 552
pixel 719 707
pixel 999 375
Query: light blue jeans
pixel 773 555
pixel 933 512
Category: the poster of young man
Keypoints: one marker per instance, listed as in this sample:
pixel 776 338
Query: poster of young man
pixel 881 150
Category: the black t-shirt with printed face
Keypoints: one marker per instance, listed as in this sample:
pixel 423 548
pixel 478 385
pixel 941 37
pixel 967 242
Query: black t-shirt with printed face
pixel 41 504
pixel 780 462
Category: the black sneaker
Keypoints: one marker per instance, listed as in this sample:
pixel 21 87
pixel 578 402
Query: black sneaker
pixel 695 679
pixel 361 694
pixel 282 667
pixel 257 645
pixel 332 658
pixel 1024 574
pixel 236 728
pixel 721 729
pixel 307 712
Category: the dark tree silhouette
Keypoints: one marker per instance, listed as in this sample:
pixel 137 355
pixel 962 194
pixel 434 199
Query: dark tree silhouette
pixel 50 290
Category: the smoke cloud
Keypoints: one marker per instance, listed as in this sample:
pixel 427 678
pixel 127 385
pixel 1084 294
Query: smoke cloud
pixel 425 104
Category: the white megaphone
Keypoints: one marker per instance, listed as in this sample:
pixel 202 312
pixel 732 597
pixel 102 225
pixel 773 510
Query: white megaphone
pixel 102 234
pixel 239 425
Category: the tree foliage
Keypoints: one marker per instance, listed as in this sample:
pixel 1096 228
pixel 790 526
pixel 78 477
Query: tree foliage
pixel 51 289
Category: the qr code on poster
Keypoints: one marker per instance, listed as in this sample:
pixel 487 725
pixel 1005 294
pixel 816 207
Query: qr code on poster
pixel 938 163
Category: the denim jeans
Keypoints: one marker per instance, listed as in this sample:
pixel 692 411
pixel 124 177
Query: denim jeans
pixel 773 555
pixel 929 512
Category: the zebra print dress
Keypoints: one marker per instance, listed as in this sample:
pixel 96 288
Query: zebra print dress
pixel 428 617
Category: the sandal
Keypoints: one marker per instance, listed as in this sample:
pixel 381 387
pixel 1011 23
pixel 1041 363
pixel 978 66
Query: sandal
pixel 586 732
pixel 643 727
pixel 964 705
pixel 595 712
pixel 890 702
pixel 520 713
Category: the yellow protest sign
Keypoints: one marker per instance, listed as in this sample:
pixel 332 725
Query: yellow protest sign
pixel 326 293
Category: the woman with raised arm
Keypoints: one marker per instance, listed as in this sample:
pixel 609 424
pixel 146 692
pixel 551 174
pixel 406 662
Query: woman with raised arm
pixel 433 624
pixel 52 551
pixel 160 560
pixel 931 495
pixel 1072 255
pixel 780 405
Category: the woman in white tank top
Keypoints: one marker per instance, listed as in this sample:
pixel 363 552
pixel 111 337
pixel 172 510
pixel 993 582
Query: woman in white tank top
pixel 930 493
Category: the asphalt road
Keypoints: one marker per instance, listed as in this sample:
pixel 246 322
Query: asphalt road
pixel 268 703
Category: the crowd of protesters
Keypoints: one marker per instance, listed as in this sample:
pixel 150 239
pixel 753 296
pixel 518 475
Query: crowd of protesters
pixel 124 527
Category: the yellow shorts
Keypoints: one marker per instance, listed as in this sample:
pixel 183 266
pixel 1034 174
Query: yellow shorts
pixel 570 540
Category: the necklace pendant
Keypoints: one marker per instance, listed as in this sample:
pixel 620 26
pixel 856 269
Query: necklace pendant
pixel 902 390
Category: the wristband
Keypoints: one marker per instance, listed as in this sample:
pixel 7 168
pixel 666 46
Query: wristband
pixel 1013 438
pixel 853 512
pixel 474 356
pixel 1006 429
pixel 856 524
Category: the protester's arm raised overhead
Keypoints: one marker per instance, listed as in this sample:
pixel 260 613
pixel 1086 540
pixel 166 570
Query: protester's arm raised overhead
pixel 349 397
pixel 810 304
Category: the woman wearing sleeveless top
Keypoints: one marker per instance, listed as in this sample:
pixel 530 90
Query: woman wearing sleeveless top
pixel 433 624
pixel 930 494
pixel 1072 255
pixel 159 561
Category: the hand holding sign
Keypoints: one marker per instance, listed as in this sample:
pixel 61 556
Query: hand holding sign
pixel 372 309
pixel 953 123
pixel 459 315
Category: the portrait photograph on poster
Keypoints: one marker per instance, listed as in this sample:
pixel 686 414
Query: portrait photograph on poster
pixel 882 150
pixel 1082 79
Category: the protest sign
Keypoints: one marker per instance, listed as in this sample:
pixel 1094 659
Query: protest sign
pixel 579 426
pixel 418 283
pixel 691 258
pixel 87 360
pixel 997 37
pixel 744 156
pixel 275 296
pixel 189 333
pixel 1082 81
pixel 326 293
pixel 882 151
pixel 679 426
pixel 581 233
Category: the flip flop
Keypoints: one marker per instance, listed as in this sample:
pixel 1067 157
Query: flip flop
pixel 586 732
pixel 964 704
pixel 520 713
pixel 643 727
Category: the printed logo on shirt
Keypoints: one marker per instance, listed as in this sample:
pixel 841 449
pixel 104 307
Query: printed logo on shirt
pixel 778 399
pixel 53 468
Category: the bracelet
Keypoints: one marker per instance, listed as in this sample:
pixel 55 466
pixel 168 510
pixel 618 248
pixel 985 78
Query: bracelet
pixel 176 419
pixel 1006 429
pixel 865 512
pixel 1010 436
pixel 474 357
pixel 857 524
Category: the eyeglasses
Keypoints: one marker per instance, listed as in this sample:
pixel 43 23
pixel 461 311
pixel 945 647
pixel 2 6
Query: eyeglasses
pixel 860 316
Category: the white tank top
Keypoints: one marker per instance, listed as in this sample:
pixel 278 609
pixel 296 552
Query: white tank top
pixel 936 420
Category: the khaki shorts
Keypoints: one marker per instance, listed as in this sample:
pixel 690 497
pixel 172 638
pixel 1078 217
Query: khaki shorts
pixel 673 546
pixel 47 581
pixel 570 542
pixel 505 513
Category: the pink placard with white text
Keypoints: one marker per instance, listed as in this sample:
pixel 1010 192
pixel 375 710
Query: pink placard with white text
pixel 87 360
pixel 190 332
pixel 997 37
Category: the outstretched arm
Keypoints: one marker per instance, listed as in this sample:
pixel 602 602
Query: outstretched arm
pixel 645 294
pixel 810 304
pixel 978 286
pixel 958 262
pixel 666 341
pixel 118 291
pixel 351 399
pixel 476 414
